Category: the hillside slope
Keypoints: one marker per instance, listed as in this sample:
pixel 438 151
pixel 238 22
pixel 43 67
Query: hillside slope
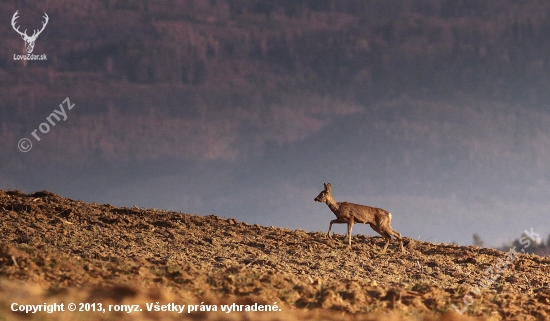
pixel 70 251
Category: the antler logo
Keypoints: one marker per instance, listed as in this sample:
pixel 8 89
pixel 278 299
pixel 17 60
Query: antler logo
pixel 29 41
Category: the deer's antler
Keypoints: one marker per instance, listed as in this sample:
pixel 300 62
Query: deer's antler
pixel 36 33
pixel 15 16
pixel 43 26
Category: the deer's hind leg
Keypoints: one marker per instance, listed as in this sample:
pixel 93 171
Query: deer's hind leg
pixel 385 230
pixel 387 237
pixel 383 234
pixel 397 235
pixel 388 230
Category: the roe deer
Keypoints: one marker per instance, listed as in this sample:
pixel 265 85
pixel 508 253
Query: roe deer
pixel 350 213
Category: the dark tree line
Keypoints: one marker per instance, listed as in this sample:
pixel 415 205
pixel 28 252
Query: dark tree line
pixel 525 243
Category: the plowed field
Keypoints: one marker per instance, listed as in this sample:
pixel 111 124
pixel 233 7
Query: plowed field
pixel 131 264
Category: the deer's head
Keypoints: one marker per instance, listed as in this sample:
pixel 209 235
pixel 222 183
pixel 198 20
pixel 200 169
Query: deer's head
pixel 29 41
pixel 324 195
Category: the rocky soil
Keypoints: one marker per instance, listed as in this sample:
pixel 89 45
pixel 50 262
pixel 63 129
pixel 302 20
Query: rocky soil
pixel 59 250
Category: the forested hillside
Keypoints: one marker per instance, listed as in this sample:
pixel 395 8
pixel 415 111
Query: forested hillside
pixel 252 51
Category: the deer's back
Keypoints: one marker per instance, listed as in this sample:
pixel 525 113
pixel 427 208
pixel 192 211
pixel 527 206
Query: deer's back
pixel 363 213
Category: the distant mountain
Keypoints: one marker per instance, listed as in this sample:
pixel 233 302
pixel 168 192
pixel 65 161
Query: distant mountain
pixel 184 57
pixel 250 51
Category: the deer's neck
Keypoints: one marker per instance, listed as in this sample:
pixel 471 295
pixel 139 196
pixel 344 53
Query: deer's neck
pixel 334 207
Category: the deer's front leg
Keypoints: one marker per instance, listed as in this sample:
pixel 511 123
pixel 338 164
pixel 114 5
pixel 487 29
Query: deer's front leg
pixel 332 222
pixel 350 224
pixel 330 226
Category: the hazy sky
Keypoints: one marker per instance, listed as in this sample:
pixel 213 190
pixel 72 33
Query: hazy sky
pixel 446 168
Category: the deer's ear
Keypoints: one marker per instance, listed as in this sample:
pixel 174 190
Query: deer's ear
pixel 327 187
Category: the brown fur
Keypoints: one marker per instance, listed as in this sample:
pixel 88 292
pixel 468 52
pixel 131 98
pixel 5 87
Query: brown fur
pixel 350 214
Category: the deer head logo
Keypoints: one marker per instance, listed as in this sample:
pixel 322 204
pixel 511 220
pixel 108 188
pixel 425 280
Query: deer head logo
pixel 29 41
